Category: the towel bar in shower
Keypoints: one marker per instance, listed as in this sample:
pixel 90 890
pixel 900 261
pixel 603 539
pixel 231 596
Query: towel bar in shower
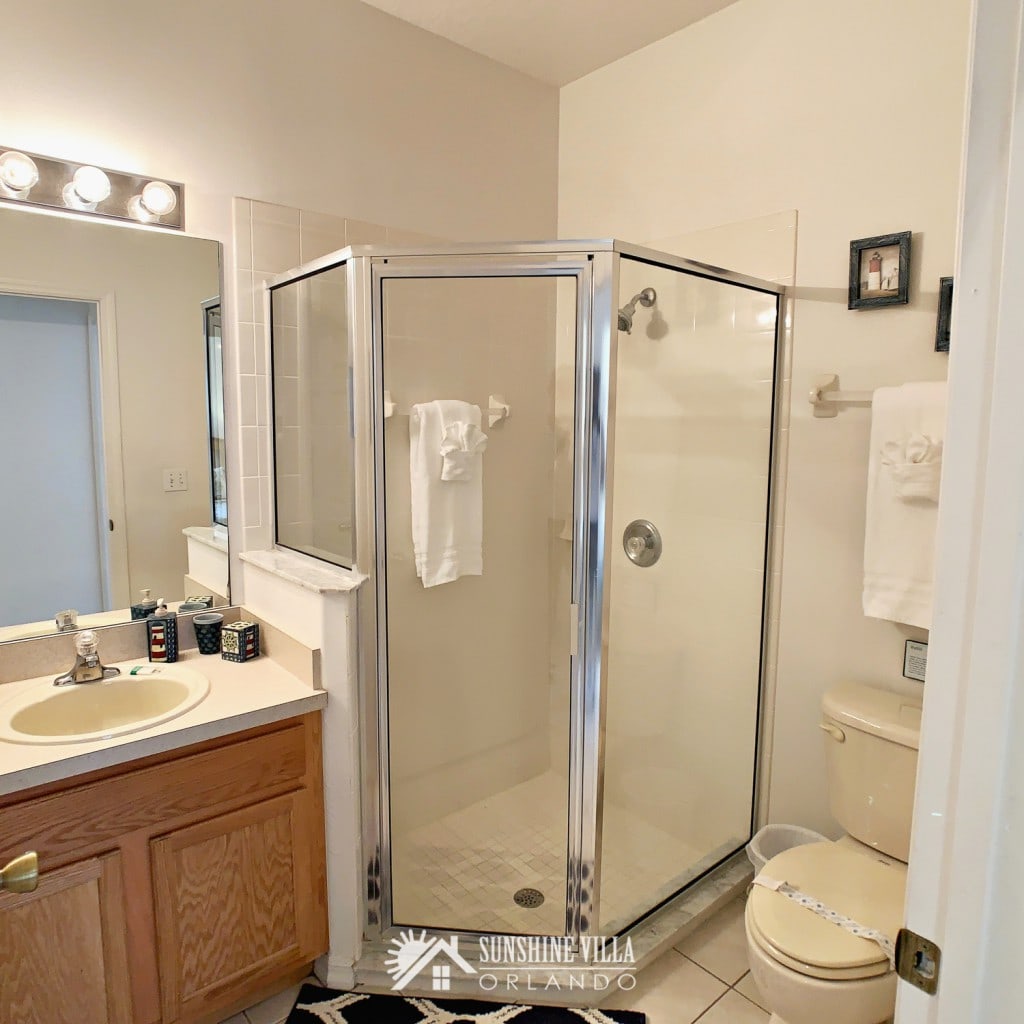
pixel 497 408
pixel 826 397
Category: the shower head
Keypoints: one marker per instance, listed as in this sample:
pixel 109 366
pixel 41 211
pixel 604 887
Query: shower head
pixel 647 298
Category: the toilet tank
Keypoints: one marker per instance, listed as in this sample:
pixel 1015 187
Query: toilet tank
pixel 871 741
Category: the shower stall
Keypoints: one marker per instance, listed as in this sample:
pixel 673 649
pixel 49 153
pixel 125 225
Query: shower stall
pixel 564 742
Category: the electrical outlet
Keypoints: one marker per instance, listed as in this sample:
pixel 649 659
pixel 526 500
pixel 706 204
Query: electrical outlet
pixel 175 479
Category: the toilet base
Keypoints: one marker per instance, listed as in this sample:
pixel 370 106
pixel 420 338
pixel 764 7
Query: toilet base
pixel 774 1018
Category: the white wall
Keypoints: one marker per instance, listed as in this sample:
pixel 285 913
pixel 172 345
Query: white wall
pixel 851 115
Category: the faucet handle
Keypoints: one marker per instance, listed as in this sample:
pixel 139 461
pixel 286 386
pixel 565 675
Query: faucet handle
pixel 86 643
pixel 67 620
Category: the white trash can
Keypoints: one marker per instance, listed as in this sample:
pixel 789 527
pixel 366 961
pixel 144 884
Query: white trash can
pixel 772 840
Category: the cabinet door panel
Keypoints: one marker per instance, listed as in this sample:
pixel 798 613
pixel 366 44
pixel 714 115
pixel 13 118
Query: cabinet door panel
pixel 63 957
pixel 229 902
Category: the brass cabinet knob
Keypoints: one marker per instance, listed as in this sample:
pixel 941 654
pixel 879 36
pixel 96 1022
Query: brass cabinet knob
pixel 22 874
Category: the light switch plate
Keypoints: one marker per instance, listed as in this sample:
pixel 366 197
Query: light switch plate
pixel 175 479
pixel 915 659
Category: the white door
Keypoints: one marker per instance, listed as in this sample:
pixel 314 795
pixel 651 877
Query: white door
pixel 52 523
pixel 965 885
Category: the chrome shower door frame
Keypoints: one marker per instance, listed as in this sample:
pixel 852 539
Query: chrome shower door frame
pixel 593 273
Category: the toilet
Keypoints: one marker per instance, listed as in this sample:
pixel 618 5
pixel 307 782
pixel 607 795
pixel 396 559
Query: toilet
pixel 807 968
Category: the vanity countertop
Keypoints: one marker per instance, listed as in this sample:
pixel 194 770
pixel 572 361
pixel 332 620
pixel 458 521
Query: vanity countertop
pixel 242 696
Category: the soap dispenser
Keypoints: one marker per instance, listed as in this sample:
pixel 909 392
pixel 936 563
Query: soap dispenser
pixel 145 607
pixel 162 633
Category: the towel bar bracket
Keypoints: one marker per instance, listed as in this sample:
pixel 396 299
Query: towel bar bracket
pixel 497 409
pixel 826 397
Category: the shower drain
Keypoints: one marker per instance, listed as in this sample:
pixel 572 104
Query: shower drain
pixel 528 897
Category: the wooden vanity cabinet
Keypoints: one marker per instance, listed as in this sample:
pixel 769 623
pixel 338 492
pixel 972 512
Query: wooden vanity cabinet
pixel 173 890
pixel 63 950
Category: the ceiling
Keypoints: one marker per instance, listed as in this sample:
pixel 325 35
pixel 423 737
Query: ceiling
pixel 556 41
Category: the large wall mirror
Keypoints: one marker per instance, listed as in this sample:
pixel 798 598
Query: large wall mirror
pixel 112 421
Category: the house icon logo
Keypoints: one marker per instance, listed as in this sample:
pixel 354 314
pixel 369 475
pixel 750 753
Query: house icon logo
pixel 412 953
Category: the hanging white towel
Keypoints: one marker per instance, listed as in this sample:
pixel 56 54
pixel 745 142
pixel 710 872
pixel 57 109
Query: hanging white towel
pixel 904 466
pixel 461 444
pixel 447 510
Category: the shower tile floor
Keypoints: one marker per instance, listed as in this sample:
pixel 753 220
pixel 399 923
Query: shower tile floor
pixel 461 871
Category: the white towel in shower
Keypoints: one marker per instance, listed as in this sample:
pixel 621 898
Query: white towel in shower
pixel 447 513
pixel 904 465
pixel 462 444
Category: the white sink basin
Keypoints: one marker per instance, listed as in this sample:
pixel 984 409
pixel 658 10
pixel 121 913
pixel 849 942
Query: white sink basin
pixel 84 712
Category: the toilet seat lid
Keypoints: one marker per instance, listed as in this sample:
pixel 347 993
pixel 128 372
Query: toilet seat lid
pixel 852 883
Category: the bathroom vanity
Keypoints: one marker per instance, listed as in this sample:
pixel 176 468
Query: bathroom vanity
pixel 184 878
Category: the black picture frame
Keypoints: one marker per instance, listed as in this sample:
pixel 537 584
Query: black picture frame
pixel 945 314
pixel 888 257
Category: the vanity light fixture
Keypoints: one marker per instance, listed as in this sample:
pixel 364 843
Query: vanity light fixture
pixel 37 180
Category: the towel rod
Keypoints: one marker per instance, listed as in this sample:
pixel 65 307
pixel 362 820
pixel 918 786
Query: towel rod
pixel 826 397
pixel 497 408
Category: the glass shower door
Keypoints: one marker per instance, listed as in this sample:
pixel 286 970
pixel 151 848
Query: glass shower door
pixel 477 578
pixel 694 387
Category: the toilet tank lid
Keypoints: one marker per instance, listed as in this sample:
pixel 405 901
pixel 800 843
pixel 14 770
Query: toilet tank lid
pixel 891 716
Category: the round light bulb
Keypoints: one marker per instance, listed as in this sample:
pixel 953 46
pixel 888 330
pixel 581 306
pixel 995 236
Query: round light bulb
pixel 18 171
pixel 91 184
pixel 158 197
pixel 138 209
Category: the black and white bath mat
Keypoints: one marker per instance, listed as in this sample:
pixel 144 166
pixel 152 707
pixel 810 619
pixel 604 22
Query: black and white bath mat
pixel 327 1006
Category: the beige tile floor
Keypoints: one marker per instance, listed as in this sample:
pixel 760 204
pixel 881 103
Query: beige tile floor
pixel 702 979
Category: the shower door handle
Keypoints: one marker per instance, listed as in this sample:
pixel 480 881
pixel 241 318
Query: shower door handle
pixel 642 543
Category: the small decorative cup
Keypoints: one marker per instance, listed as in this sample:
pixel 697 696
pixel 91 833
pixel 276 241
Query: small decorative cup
pixel 208 627
pixel 240 641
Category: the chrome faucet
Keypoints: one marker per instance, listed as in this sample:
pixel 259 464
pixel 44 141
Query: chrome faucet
pixel 87 667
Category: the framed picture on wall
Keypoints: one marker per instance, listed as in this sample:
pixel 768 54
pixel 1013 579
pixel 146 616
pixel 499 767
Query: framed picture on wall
pixel 945 314
pixel 880 271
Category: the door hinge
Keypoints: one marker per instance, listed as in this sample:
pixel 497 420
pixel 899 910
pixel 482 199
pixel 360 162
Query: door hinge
pixel 574 629
pixel 917 960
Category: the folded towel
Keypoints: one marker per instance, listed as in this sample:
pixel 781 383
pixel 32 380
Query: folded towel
pixel 904 466
pixel 915 466
pixel 447 512
pixel 462 443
